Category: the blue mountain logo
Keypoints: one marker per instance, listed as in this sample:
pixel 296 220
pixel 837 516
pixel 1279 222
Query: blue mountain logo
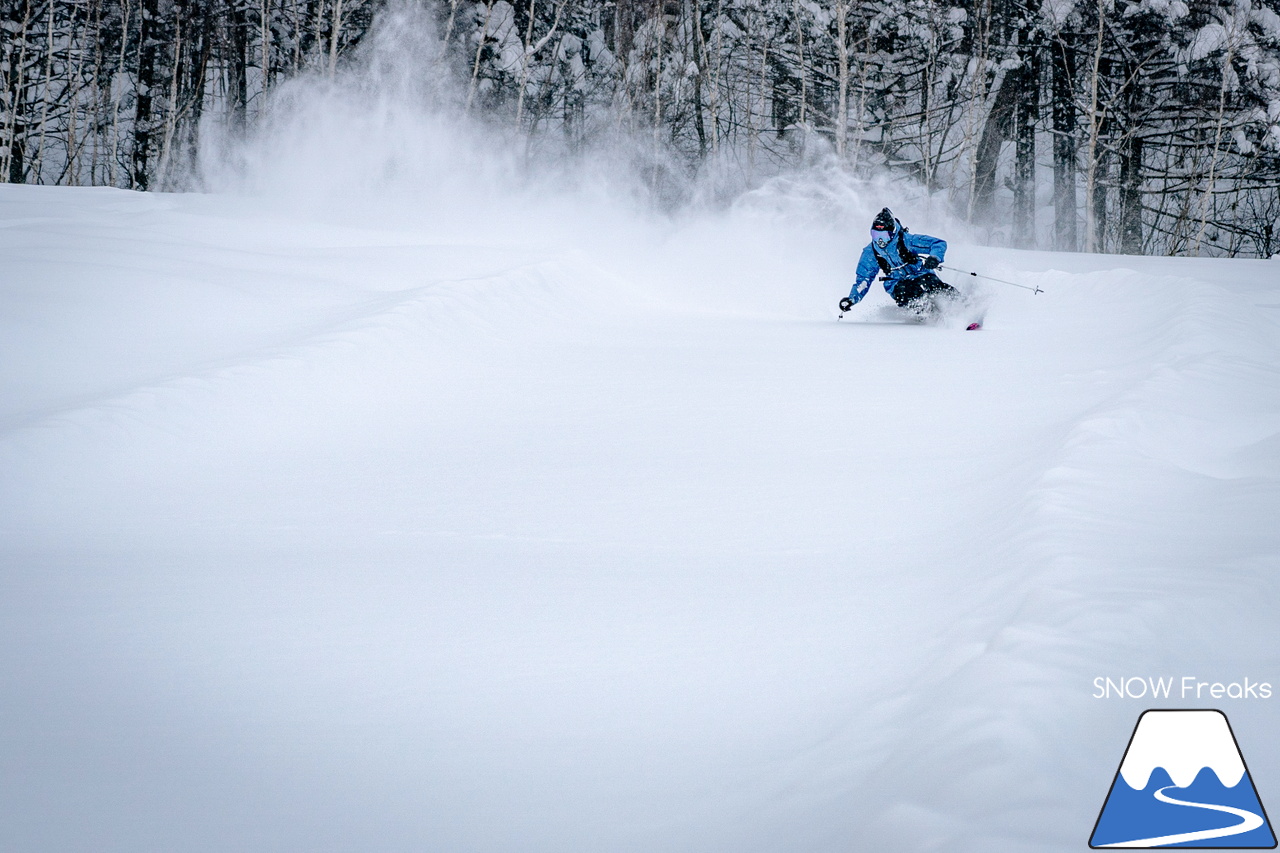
pixel 1183 783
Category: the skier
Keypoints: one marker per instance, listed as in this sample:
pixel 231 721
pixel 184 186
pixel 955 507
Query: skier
pixel 907 261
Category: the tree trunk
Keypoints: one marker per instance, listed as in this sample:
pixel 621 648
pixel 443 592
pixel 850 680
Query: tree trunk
pixel 308 33
pixel 264 59
pixel 1026 117
pixel 630 14
pixel 524 63
pixel 842 59
pixel 475 67
pixel 147 43
pixel 15 91
pixel 171 108
pixel 1131 195
pixel 1095 194
pixel 37 166
pixel 199 56
pixel 994 132
pixel 1206 201
pixel 1064 149
pixel 239 84
pixel 335 31
pixel 1131 165
pixel 1098 202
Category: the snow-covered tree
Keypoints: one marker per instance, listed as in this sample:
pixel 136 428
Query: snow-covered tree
pixel 1107 125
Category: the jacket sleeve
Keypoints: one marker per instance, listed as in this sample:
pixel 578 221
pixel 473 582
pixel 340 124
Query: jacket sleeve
pixel 923 244
pixel 867 269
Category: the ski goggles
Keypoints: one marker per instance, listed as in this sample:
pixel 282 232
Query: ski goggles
pixel 881 238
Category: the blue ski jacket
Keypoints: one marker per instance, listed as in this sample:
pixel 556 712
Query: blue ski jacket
pixel 899 261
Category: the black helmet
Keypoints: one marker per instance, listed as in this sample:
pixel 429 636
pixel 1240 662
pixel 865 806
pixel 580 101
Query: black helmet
pixel 882 227
pixel 884 221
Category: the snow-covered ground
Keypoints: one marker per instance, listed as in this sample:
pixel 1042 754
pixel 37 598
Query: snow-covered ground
pixel 316 537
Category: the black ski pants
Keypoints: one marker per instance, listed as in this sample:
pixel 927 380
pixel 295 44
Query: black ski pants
pixel 909 290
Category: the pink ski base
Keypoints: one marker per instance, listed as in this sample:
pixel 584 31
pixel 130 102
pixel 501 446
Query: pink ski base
pixel 973 326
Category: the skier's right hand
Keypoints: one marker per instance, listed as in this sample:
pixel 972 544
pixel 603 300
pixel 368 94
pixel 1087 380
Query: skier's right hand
pixel 846 304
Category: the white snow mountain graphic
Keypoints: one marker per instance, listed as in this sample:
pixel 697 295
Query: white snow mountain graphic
pixel 1183 783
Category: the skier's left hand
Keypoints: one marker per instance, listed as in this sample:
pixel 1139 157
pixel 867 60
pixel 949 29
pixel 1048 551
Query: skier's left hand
pixel 846 304
pixel 930 262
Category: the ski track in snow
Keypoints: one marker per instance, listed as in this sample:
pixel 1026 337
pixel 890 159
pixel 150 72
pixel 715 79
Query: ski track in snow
pixel 325 538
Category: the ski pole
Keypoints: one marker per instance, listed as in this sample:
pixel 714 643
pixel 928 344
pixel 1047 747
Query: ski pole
pixel 1035 289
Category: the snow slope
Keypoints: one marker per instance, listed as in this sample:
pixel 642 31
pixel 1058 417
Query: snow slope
pixel 317 537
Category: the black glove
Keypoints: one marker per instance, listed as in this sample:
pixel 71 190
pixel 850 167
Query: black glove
pixel 930 262
pixel 846 304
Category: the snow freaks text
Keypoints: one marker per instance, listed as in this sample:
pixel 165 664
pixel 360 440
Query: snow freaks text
pixel 1186 687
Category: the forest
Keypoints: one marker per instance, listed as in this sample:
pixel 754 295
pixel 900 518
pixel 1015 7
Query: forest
pixel 1131 126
